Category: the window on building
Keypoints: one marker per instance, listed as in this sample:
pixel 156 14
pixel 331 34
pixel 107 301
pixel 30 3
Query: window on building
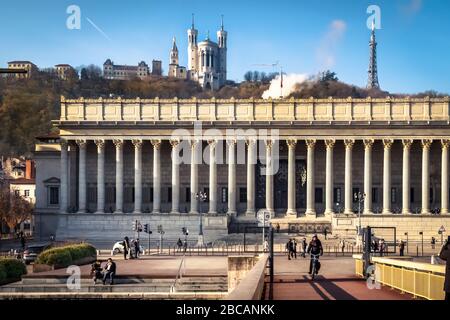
pixel 393 195
pixel 188 194
pixel 27 193
pixel 92 194
pixel 53 195
pixel 169 194
pixel 337 195
pixel 431 195
pixel 224 195
pixel 319 195
pixel 375 195
pixel 411 195
pixel 151 194
pixel 206 190
pixel 243 195
pixel 17 193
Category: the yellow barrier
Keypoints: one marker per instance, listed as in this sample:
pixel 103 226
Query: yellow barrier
pixel 419 279
pixel 359 267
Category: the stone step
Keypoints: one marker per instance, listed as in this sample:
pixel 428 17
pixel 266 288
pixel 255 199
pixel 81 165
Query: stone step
pixel 126 280
pixel 114 288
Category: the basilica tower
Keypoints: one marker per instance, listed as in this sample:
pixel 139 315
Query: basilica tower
pixel 222 42
pixel 192 47
pixel 372 81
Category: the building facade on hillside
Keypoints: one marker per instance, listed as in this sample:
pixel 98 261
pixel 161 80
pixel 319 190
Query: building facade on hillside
pixel 303 160
pixel 64 71
pixel 207 60
pixel 26 65
pixel 122 72
pixel 156 68
pixel 26 185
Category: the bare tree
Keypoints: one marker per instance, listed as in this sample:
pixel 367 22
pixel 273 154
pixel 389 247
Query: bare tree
pixel 14 209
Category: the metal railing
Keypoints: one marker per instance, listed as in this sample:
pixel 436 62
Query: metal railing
pixel 179 276
pixel 422 280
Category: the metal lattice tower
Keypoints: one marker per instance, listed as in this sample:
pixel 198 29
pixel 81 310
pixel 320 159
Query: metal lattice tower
pixel 372 81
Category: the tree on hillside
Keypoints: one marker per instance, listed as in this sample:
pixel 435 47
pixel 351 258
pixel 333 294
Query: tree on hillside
pixel 91 72
pixel 14 209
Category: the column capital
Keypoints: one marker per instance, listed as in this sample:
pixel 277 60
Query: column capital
pixel 445 143
pixel 269 143
pixel 100 143
pixel 329 143
pixel 387 143
pixel 81 143
pixel 426 143
pixel 174 142
pixel 231 142
pixel 194 142
pixel 251 141
pixel 64 143
pixel 137 143
pixel 349 143
pixel 156 143
pixel 212 143
pixel 407 143
pixel 368 143
pixel 118 143
pixel 310 143
pixel 291 142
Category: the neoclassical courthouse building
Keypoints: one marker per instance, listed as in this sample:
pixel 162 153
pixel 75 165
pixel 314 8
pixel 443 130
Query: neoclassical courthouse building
pixel 113 163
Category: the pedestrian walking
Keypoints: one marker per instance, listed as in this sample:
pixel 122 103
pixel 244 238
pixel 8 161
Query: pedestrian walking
pixel 22 241
pixel 382 247
pixel 126 247
pixel 294 248
pixel 179 244
pixel 445 255
pixel 325 232
pixel 266 246
pixel 402 248
pixel 137 248
pixel 433 243
pixel 288 249
pixel 96 271
pixel 278 228
pixel 304 245
pixel 185 245
pixel 342 245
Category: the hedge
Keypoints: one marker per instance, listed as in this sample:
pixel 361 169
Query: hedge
pixel 66 255
pixel 11 270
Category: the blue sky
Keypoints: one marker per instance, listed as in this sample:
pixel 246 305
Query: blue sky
pixel 305 36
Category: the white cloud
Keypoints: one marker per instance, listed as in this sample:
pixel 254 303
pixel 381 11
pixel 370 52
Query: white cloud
pixel 413 7
pixel 325 53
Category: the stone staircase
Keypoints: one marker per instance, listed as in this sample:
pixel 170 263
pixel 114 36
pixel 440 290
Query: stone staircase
pixel 192 284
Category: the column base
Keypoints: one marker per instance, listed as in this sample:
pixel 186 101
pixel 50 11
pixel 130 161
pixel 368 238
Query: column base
pixel 174 212
pixel 157 211
pixel 348 211
pixel 193 212
pixel 310 212
pixel 250 212
pixel 212 212
pixel 81 211
pixel 118 211
pixel 367 212
pixel 406 211
pixel 329 212
pixel 444 211
pixel 232 213
pixel 99 212
pixel 137 212
pixel 425 212
pixel 386 211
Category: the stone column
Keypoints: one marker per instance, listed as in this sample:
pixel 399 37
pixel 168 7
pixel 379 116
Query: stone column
pixel 426 144
pixel 64 177
pixel 232 177
pixel 137 176
pixel 387 143
pixel 348 176
pixel 195 147
pixel 251 161
pixel 406 183
pixel 212 177
pixel 368 144
pixel 269 176
pixel 310 181
pixel 156 176
pixel 119 175
pixel 329 179
pixel 175 177
pixel 444 181
pixel 82 176
pixel 100 175
pixel 292 209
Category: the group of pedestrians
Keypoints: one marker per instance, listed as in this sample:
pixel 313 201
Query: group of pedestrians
pixel 292 248
pixel 182 245
pixel 131 249
pixel 379 246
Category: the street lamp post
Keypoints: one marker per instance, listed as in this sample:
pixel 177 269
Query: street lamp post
pixel 202 197
pixel 360 198
pixel 421 233
pixel 407 242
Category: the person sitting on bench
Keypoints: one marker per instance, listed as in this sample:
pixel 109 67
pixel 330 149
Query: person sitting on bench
pixel 110 271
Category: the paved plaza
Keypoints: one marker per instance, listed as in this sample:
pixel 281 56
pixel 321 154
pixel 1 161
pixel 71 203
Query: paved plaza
pixel 336 281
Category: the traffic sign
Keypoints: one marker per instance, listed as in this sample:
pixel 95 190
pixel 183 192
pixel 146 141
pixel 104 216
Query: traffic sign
pixel 263 217
pixel 441 229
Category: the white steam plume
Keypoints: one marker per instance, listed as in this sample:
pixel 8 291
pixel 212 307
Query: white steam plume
pixel 289 82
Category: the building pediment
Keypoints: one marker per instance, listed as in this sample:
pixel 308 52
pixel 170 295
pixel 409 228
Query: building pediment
pixel 52 180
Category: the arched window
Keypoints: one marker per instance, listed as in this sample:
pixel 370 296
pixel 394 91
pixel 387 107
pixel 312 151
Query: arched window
pixel 207 58
pixel 212 60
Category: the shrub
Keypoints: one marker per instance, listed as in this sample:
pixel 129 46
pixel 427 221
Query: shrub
pixel 66 255
pixel 11 269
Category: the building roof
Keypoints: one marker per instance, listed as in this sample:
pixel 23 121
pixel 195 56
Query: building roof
pixel 124 67
pixel 21 62
pixel 22 181
pixel 63 65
